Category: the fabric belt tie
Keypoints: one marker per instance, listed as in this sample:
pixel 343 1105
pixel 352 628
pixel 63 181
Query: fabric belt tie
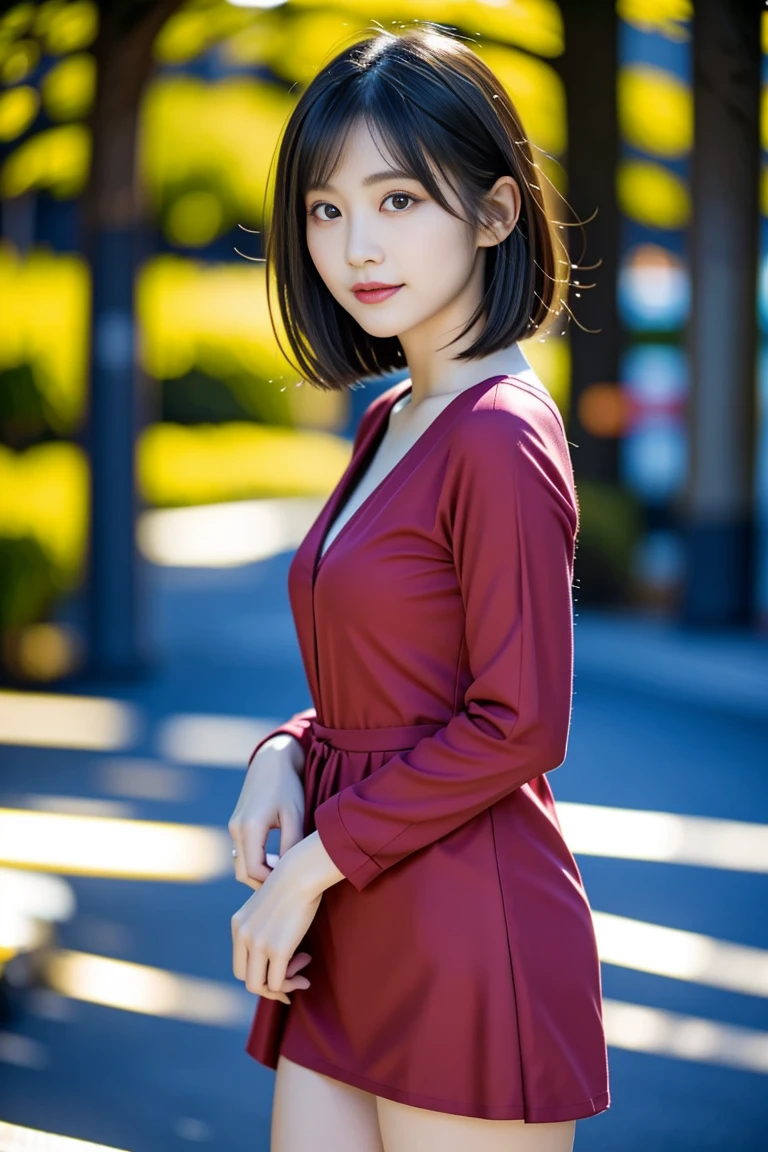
pixel 371 739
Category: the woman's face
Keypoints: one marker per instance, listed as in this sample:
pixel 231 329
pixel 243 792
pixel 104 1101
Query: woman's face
pixel 368 225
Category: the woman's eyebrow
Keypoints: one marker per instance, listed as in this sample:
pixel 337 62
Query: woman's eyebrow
pixel 390 174
pixel 374 178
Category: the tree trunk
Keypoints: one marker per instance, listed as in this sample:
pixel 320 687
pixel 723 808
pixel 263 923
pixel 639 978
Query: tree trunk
pixel 588 69
pixel 112 221
pixel 719 501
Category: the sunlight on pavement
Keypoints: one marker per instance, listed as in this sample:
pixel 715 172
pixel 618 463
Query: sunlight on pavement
pixel 663 1033
pixel 631 834
pixel 95 846
pixel 28 902
pixel 14 1138
pixel 151 991
pixel 212 741
pixel 45 720
pixel 75 805
pixel 19 934
pixel 681 955
pixel 225 535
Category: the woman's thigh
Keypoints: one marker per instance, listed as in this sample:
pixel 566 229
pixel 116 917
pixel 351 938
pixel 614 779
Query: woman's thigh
pixel 313 1113
pixel 407 1129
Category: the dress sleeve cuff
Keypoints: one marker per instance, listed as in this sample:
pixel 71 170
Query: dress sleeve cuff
pixel 299 726
pixel 349 858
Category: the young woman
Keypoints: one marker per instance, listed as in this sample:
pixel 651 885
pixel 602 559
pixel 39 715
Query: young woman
pixel 425 911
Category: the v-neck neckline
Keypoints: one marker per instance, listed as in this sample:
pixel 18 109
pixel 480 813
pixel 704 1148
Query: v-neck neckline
pixel 370 446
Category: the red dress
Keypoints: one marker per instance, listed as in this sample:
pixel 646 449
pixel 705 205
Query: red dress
pixel 455 968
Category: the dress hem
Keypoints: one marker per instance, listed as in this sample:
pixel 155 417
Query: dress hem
pixel 578 1110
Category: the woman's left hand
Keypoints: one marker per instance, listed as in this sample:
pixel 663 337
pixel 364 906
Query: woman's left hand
pixel 267 930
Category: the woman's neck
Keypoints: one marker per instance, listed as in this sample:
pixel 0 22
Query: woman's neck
pixel 463 374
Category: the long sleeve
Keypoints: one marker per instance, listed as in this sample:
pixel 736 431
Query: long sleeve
pixel 511 515
pixel 300 724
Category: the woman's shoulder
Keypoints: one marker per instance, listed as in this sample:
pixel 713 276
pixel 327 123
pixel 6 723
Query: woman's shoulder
pixel 513 412
pixel 512 438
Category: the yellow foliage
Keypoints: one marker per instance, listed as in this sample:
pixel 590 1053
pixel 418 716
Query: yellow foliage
pixel 17 19
pixel 18 109
pixel 537 92
pixel 206 315
pixel 45 494
pixel 196 218
pixel 260 42
pixel 312 38
pixel 57 159
pixel 183 37
pixel 550 358
pixel 655 111
pixel 194 28
pixel 68 27
pixel 535 25
pixel 214 318
pixel 69 87
pixel 652 195
pixel 18 61
pixel 203 464
pixel 44 317
pixel 669 17
pixel 297 39
pixel 224 136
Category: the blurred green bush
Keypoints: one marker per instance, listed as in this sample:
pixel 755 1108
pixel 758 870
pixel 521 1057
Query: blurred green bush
pixel 611 523
pixel 30 582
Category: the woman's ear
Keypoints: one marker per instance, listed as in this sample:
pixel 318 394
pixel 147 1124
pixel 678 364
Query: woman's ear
pixel 502 209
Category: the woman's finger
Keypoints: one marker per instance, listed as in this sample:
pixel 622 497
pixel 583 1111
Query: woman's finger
pixel 300 960
pixel 276 972
pixel 267 994
pixel 254 851
pixel 298 984
pixel 237 832
pixel 237 848
pixel 256 970
pixel 249 966
pixel 253 884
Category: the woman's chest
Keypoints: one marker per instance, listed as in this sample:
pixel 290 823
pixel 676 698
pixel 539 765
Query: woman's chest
pixel 396 443
pixel 386 458
pixel 392 560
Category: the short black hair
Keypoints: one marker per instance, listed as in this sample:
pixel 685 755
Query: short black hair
pixel 435 104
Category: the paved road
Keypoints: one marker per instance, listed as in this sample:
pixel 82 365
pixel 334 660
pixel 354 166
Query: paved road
pixel 225 643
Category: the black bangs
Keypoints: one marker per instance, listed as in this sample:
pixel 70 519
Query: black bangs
pixel 395 125
pixel 436 111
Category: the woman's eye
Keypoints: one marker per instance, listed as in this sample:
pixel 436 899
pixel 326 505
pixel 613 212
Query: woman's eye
pixel 315 208
pixel 400 202
pixel 399 197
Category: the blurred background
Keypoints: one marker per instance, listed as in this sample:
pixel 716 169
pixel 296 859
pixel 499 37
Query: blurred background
pixel 160 461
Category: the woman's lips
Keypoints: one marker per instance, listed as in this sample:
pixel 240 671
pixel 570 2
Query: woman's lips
pixel 375 295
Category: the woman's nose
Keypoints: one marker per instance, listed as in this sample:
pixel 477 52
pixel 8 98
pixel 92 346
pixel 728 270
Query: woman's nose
pixel 363 246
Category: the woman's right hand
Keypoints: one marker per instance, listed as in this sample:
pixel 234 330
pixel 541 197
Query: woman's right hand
pixel 272 796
